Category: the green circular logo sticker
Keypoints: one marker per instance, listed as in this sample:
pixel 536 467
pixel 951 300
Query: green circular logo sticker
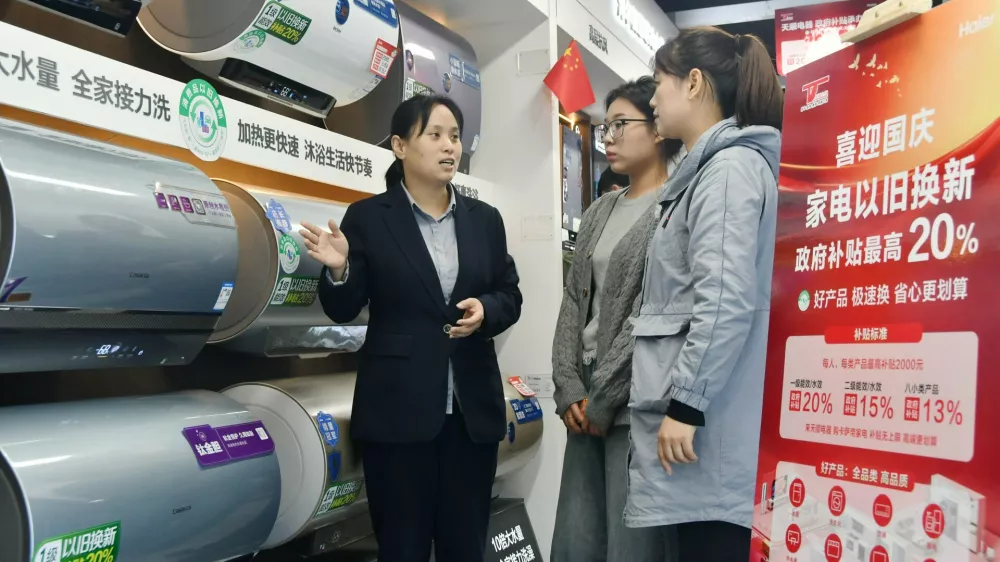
pixel 203 120
pixel 804 301
pixel 253 39
pixel 288 254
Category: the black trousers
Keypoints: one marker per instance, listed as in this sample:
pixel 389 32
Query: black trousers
pixel 437 492
pixel 712 541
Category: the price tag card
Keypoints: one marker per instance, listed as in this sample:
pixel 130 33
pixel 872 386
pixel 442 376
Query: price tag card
pixel 521 387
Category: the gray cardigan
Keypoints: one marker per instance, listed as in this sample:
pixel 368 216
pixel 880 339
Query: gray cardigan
pixel 609 388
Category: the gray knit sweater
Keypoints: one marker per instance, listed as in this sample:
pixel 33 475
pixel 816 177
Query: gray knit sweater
pixel 612 379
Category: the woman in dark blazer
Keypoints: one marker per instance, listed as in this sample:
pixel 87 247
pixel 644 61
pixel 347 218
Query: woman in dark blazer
pixel 433 268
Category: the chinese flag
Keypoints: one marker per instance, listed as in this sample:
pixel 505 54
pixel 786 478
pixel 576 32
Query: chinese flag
pixel 568 80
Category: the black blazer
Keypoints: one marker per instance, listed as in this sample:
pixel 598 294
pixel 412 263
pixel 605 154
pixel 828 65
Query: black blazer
pixel 403 373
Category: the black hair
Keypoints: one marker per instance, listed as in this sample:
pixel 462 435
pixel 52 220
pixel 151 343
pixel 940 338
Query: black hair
pixel 609 178
pixel 639 93
pixel 737 68
pixel 410 119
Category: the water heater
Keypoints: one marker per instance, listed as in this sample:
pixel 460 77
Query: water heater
pixel 274 309
pixel 321 478
pixel 433 60
pixel 310 55
pixel 186 477
pixel 109 257
pixel 115 16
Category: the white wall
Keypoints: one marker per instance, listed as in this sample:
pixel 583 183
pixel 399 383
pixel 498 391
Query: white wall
pixel 627 56
pixel 519 152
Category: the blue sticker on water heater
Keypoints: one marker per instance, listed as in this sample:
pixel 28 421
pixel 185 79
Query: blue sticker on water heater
pixel 526 409
pixel 384 10
pixel 278 217
pixel 510 433
pixel 328 427
pixel 333 466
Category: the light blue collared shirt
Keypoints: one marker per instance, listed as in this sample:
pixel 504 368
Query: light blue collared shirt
pixel 442 244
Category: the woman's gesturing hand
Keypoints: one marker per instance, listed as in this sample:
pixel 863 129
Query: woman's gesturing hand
pixel 328 248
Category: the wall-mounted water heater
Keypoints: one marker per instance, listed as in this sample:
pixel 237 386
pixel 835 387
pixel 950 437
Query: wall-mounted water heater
pixel 114 16
pixel 321 478
pixel 310 55
pixel 185 477
pixel 274 309
pixel 433 60
pixel 108 257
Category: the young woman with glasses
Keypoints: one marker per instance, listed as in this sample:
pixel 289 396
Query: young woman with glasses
pixel 592 351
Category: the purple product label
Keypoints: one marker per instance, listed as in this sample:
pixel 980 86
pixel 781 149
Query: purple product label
pixel 175 203
pixel 206 444
pixel 186 204
pixel 161 201
pixel 246 440
pixel 214 446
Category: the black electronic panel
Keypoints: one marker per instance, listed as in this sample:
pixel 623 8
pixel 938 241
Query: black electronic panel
pixel 116 16
pixel 274 85
pixel 27 350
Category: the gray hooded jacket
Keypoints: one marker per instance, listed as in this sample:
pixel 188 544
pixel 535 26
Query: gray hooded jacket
pixel 701 333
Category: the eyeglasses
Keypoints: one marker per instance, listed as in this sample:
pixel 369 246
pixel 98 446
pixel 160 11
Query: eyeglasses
pixel 616 127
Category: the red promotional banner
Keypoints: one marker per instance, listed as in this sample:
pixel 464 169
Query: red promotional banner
pixel 879 442
pixel 807 33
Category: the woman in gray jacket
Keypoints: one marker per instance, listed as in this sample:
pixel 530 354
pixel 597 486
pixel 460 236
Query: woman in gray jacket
pixel 592 351
pixel 701 333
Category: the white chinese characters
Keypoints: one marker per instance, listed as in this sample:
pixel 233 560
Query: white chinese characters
pixel 510 539
pixel 928 291
pixel 881 139
pixel 210 448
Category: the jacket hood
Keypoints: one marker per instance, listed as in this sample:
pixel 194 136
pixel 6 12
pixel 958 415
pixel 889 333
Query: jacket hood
pixel 766 141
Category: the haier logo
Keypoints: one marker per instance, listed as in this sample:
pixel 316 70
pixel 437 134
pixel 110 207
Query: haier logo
pixel 814 96
pixel 974 26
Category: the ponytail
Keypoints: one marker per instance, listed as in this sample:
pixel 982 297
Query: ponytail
pixel 394 175
pixel 759 98
pixel 741 75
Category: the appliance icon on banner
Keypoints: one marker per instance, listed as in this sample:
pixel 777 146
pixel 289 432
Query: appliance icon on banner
pixel 837 501
pixel 794 539
pixel 883 510
pixel 934 521
pixel 797 493
pixel 833 548
pixel 879 554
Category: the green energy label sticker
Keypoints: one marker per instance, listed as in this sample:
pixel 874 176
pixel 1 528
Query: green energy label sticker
pixel 288 254
pixel 283 22
pixel 203 120
pixel 339 495
pixel 97 544
pixel 295 290
pixel 253 39
pixel 804 300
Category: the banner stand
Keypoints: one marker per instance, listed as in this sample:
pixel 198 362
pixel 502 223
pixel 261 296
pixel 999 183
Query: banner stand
pixel 878 438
